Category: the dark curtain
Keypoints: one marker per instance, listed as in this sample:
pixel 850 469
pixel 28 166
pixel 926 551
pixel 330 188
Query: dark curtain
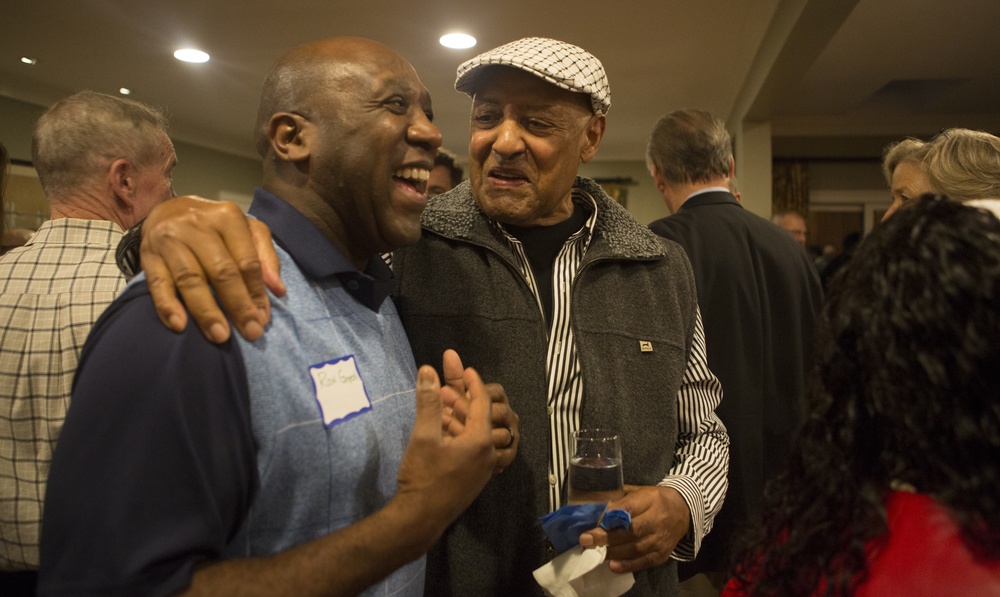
pixel 790 187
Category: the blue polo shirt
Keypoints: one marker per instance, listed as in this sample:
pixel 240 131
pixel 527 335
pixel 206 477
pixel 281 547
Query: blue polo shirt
pixel 177 452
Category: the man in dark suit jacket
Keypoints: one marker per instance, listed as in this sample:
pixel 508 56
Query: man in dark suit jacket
pixel 758 293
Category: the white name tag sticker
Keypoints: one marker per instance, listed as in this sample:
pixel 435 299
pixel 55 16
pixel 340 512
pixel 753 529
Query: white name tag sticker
pixel 339 389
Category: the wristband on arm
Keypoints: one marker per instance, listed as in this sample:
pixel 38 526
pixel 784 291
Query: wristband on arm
pixel 127 253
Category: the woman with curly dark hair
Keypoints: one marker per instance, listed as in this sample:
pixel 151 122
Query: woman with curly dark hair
pixel 894 483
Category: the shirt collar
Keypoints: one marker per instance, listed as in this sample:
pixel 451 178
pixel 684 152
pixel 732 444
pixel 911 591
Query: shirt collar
pixel 77 231
pixel 708 190
pixel 316 255
pixel 580 197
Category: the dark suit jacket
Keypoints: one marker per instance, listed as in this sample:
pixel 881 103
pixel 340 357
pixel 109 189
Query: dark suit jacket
pixel 759 295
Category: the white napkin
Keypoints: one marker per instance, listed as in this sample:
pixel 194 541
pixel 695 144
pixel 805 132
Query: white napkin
pixel 582 572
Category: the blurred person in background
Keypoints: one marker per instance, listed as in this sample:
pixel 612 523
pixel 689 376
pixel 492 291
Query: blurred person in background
pixel 905 173
pixel 794 224
pixel 103 162
pixel 962 164
pixel 445 175
pixel 759 294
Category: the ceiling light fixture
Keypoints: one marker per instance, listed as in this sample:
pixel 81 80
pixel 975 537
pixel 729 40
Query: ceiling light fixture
pixel 457 41
pixel 125 91
pixel 29 61
pixel 191 55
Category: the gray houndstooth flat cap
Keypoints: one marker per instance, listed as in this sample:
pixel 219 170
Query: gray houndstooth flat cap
pixel 558 62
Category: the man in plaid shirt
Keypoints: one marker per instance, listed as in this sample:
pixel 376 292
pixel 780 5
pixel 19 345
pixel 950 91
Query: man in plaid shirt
pixel 104 163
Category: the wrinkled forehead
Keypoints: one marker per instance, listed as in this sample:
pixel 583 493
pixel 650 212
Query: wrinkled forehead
pixel 909 171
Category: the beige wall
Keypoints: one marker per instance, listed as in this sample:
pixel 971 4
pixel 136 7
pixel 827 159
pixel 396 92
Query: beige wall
pixel 753 166
pixel 644 201
pixel 25 205
pixel 214 174
pixel 16 121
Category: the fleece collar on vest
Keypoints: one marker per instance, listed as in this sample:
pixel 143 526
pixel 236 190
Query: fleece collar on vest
pixel 455 215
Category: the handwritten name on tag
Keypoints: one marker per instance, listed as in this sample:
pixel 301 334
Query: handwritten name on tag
pixel 340 391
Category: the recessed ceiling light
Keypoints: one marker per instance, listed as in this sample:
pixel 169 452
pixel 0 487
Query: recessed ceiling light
pixel 191 55
pixel 28 61
pixel 124 91
pixel 457 41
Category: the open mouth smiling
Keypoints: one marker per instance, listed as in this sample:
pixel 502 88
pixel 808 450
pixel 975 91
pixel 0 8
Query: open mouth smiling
pixel 507 175
pixel 415 178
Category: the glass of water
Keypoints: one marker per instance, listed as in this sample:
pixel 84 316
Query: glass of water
pixel 595 467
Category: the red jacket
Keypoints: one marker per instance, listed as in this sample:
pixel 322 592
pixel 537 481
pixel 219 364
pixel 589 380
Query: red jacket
pixel 924 556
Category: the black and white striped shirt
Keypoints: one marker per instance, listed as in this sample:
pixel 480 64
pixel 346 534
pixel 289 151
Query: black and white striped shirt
pixel 701 440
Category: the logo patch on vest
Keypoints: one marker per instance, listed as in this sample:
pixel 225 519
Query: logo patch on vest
pixel 645 346
pixel 340 391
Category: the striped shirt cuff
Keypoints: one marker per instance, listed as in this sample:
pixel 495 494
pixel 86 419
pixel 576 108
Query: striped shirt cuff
pixel 689 545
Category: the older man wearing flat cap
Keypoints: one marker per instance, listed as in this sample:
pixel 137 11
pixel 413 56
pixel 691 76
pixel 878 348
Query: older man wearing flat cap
pixel 589 320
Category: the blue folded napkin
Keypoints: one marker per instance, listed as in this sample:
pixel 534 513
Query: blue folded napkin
pixel 564 526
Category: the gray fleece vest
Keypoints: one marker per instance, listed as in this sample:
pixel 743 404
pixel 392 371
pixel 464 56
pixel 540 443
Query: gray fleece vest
pixel 458 287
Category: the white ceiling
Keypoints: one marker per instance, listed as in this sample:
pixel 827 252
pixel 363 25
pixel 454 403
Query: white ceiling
pixel 833 77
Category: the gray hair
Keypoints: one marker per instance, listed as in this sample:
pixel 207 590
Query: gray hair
pixel 689 146
pixel 907 150
pixel 779 216
pixel 76 137
pixel 964 164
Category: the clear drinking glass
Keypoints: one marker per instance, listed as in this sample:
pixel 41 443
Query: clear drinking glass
pixel 595 467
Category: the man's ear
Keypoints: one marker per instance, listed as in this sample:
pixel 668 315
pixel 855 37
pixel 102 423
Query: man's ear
pixel 592 137
pixel 290 135
pixel 661 184
pixel 121 179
